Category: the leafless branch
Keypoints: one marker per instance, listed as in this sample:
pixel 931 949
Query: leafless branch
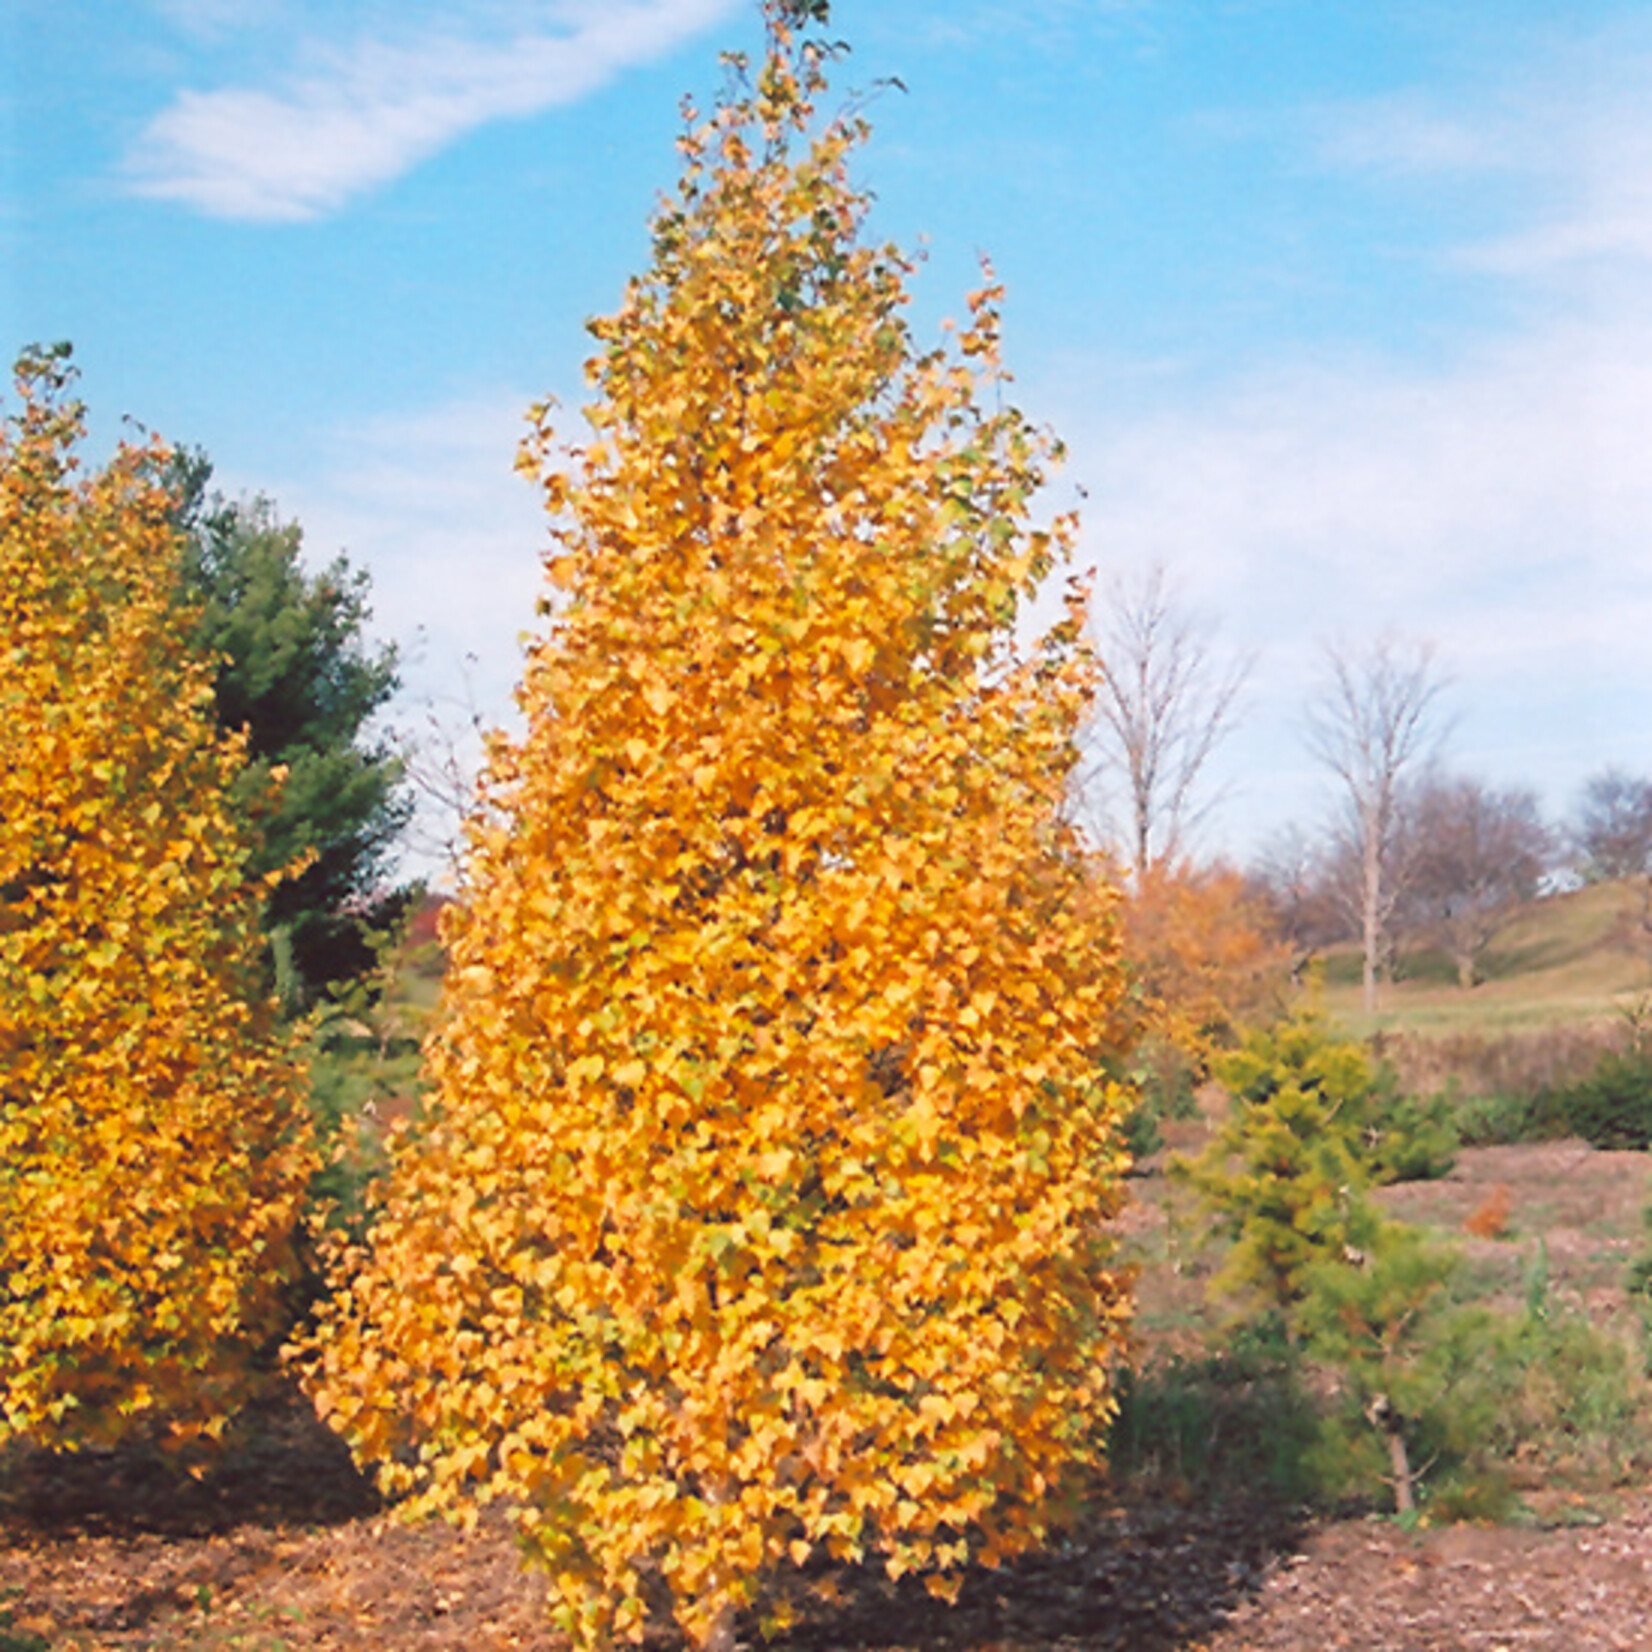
pixel 1163 706
pixel 441 754
pixel 1373 723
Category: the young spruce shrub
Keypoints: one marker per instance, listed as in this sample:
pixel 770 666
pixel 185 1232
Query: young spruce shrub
pixel 1426 1395
pixel 1464 1394
pixel 1313 1128
pixel 759 1212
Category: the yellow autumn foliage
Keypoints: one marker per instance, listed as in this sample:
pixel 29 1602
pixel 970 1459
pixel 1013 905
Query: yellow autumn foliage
pixel 758 1213
pixel 150 1159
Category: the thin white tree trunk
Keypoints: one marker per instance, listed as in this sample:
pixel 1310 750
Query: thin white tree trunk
pixel 1371 913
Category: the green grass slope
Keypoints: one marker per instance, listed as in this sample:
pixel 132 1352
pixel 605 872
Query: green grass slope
pixel 1582 956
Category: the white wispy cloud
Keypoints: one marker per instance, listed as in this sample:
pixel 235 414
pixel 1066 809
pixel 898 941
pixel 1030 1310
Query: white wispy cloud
pixel 1402 134
pixel 1492 495
pixel 429 503
pixel 344 117
pixel 1351 493
pixel 1568 136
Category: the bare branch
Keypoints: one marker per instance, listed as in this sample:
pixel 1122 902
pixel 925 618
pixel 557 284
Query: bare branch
pixel 441 756
pixel 1476 853
pixel 1372 725
pixel 1162 708
pixel 1612 837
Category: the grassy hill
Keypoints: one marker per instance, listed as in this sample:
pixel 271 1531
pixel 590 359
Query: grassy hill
pixel 1580 957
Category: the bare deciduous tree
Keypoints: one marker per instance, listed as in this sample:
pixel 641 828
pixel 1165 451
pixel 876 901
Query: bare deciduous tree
pixel 1371 725
pixel 441 755
pixel 1163 705
pixel 1612 840
pixel 1613 833
pixel 1297 880
pixel 1476 854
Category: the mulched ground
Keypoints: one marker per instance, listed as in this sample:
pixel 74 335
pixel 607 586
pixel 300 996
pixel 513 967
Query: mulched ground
pixel 1372 1588
pixel 284 1550
pixel 284 1553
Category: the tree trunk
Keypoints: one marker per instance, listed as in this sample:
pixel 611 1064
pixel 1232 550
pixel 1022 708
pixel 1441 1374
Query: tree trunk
pixel 1380 1413
pixel 1405 1497
pixel 1371 913
pixel 720 1636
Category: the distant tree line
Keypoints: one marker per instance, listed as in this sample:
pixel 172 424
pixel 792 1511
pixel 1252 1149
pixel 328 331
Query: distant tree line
pixel 1416 853
pixel 1456 858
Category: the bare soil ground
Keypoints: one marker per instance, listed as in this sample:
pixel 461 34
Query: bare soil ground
pixel 285 1550
pixel 1567 1209
pixel 1164 1580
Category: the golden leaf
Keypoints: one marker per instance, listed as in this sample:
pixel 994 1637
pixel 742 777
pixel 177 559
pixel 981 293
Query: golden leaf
pixel 780 985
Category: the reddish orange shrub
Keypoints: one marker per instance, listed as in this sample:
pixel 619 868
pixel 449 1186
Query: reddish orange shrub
pixel 1200 949
pixel 1490 1219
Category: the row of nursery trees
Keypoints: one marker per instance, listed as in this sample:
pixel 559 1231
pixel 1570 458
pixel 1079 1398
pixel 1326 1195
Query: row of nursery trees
pixel 757 1210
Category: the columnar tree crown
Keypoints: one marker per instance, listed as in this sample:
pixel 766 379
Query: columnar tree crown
pixel 759 1210
pixel 152 1157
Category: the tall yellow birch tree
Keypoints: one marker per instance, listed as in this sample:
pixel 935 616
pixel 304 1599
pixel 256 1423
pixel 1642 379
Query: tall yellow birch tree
pixel 759 1210
pixel 151 1159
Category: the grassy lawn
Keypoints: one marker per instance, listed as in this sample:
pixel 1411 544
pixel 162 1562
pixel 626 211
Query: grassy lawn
pixel 1578 957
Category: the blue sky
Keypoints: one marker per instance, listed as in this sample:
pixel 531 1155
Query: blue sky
pixel 1343 307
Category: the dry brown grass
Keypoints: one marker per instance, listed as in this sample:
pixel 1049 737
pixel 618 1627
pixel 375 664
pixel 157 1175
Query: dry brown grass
pixel 1572 960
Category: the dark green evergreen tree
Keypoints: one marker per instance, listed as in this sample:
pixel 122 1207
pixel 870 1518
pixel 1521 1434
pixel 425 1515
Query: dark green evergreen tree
pixel 297 673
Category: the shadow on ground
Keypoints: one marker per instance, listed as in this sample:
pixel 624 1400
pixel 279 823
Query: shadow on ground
pixel 120 1547
pixel 1148 1578
pixel 287 1470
